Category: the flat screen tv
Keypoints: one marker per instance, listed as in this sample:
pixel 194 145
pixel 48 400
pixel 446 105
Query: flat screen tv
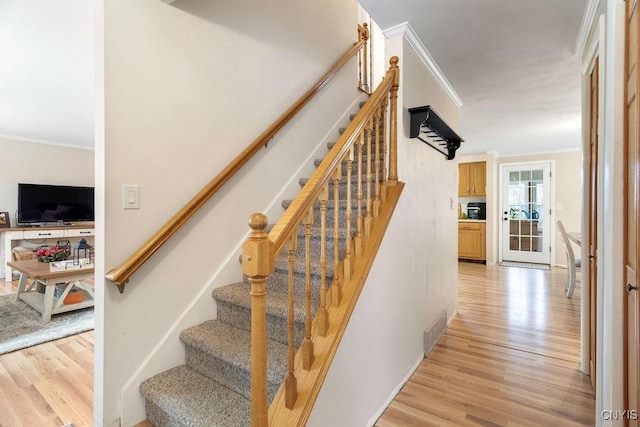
pixel 40 203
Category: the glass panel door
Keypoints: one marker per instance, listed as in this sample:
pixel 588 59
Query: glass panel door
pixel 526 225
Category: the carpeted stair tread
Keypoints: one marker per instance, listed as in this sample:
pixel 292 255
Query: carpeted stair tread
pixel 331 144
pixel 315 229
pixel 183 397
pixel 234 345
pixel 277 302
pixel 343 181
pixel 342 204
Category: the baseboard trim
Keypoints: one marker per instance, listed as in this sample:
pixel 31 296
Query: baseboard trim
pixel 395 392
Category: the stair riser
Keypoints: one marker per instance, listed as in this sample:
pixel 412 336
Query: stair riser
pixel 277 328
pixel 157 417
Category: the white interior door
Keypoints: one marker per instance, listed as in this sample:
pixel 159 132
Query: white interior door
pixel 526 223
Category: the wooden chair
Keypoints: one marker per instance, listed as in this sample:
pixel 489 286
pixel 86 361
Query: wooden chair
pixel 572 261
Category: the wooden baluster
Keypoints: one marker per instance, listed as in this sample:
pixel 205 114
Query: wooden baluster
pixel 291 384
pixel 322 317
pixel 336 288
pixel 377 122
pixel 393 125
pixel 257 264
pixel 349 244
pixel 365 37
pixel 307 344
pixel 383 139
pixel 358 240
pixel 368 133
pixel 360 37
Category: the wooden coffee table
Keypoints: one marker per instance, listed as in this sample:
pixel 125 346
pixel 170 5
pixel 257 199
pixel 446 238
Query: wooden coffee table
pixel 47 303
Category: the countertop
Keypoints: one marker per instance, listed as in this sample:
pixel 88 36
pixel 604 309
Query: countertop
pixel 472 220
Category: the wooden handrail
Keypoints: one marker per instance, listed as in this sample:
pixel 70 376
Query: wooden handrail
pixel 120 275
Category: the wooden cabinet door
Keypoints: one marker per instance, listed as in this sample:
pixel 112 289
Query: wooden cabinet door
pixel 478 178
pixel 471 241
pixel 469 244
pixel 464 189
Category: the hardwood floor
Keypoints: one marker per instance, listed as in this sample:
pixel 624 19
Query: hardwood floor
pixel 49 384
pixel 510 357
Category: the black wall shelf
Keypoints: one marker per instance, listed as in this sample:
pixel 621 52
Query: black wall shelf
pixel 428 127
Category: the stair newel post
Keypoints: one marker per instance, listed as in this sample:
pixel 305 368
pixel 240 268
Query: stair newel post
pixel 349 241
pixel 368 134
pixel 383 140
pixel 358 239
pixel 377 118
pixel 291 390
pixel 257 264
pixel 360 37
pixel 307 344
pixel 322 317
pixel 393 123
pixel 336 288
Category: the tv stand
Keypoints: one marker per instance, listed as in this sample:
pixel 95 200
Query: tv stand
pixel 41 233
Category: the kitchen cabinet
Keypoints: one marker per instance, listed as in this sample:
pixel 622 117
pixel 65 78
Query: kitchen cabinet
pixel 472 240
pixel 472 179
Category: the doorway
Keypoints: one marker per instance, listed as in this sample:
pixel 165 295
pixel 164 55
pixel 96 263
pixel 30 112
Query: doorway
pixel 526 219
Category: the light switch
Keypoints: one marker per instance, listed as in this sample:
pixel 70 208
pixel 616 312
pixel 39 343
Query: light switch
pixel 130 196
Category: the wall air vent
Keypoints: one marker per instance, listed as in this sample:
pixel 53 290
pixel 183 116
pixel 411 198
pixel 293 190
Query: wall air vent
pixel 429 128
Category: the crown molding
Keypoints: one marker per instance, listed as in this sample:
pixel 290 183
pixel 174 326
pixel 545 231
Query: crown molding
pixel 541 153
pixel 585 27
pixel 405 30
pixel 44 141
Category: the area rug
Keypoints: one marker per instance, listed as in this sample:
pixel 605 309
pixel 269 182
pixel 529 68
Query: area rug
pixel 21 326
pixel 524 265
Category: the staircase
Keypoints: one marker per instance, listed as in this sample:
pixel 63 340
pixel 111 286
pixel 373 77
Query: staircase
pixel 213 387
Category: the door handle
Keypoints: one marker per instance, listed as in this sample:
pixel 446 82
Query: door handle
pixel 505 219
pixel 591 256
pixel 630 287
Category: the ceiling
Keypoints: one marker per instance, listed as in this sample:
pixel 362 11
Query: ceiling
pixel 510 61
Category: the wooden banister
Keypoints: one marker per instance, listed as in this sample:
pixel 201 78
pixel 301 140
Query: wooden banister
pixel 293 215
pixel 292 405
pixel 120 275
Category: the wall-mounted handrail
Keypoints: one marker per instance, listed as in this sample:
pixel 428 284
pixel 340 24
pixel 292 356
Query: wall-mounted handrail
pixel 120 275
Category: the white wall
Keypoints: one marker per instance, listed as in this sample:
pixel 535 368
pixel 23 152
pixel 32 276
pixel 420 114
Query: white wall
pixel 187 87
pixel 46 71
pixel 414 277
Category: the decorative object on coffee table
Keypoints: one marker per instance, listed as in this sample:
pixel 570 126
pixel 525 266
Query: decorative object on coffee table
pixel 81 250
pixel 51 254
pixel 5 220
